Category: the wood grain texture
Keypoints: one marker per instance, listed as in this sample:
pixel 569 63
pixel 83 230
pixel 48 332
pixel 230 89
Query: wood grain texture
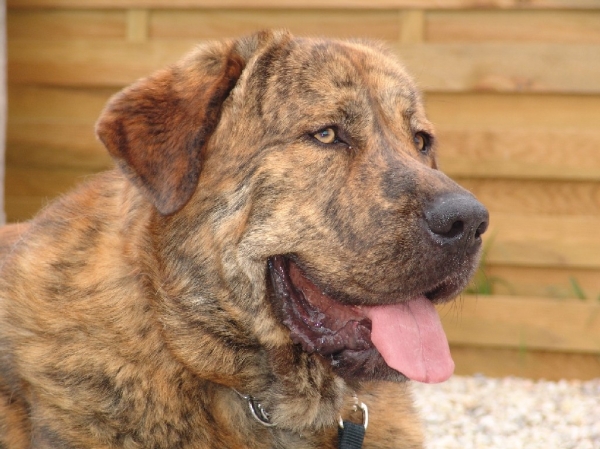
pixel 512 87
pixel 502 362
pixel 515 111
pixel 55 146
pixel 535 198
pixel 561 27
pixel 438 67
pixel 521 154
pixel 30 188
pixel 541 137
pixel 542 241
pixel 292 4
pixel 504 67
pixel 53 128
pixel 222 23
pixel 44 183
pixel 523 323
pixel 545 282
pixel 39 104
pixel 22 208
pixel 412 30
pixel 65 24
pixel 138 25
pixel 89 63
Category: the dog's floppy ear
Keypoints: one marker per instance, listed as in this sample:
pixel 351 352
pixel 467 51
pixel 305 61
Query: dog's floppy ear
pixel 156 128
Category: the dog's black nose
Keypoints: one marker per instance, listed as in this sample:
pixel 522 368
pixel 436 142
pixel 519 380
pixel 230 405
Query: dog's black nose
pixel 457 219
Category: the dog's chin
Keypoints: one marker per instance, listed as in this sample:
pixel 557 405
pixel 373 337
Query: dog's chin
pixel 338 332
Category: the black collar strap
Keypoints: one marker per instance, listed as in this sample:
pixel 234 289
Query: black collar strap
pixel 351 436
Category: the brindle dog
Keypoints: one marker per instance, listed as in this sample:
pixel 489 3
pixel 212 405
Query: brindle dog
pixel 276 230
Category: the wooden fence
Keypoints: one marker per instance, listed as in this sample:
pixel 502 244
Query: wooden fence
pixel 513 87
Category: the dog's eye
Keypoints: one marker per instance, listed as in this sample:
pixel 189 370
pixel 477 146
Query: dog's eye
pixel 326 136
pixel 422 142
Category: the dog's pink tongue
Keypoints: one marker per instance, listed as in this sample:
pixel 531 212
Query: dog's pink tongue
pixel 411 340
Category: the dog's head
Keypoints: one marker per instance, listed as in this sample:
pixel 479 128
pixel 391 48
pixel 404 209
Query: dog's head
pixel 303 231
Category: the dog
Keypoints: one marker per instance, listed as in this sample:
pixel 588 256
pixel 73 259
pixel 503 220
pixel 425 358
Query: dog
pixel 263 261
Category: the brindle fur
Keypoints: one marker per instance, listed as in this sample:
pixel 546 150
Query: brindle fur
pixel 133 306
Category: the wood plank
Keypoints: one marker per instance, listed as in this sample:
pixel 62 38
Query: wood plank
pixel 29 189
pixel 61 105
pixel 523 323
pixel 41 182
pixel 413 26
pixel 89 63
pixel 463 167
pixel 438 67
pixel 517 136
pixel 54 127
pixel 55 146
pixel 536 198
pixel 19 209
pixel 137 25
pixel 573 27
pixel 504 67
pixel 292 4
pixel 519 154
pixel 220 23
pixel 61 24
pixel 485 111
pixel 501 362
pixel 541 241
pixel 543 282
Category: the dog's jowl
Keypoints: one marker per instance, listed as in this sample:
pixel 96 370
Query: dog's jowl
pixel 268 251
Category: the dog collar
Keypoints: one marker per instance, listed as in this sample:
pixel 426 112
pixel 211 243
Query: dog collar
pixel 350 435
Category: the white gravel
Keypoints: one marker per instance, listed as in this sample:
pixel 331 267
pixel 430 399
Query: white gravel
pixel 510 413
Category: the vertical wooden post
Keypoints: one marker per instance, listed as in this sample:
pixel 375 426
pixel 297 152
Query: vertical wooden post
pixel 412 26
pixel 138 23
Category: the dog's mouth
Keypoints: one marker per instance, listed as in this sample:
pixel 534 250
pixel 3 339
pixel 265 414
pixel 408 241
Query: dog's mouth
pixel 391 341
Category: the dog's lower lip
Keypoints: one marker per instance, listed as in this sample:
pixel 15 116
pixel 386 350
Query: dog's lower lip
pixel 316 322
pixel 437 292
pixel 441 292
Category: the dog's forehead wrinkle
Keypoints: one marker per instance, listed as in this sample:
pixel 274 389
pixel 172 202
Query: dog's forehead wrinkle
pixel 263 68
pixel 340 93
pixel 321 70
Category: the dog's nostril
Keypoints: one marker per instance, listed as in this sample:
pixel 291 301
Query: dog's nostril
pixel 481 229
pixel 446 226
pixel 456 229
